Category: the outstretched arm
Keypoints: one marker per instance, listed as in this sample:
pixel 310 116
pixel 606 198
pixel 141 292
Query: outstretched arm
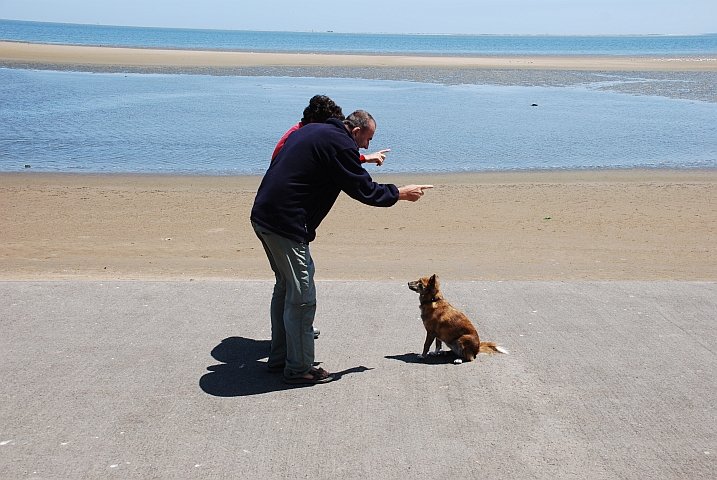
pixel 412 192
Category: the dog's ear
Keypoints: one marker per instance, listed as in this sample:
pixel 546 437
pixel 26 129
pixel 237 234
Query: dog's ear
pixel 432 280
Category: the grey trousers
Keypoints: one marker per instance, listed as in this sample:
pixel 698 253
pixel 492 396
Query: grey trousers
pixel 293 303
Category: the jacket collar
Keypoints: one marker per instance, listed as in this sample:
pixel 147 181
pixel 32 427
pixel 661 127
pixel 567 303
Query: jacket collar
pixel 338 123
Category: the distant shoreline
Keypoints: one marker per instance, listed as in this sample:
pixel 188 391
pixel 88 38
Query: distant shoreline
pixel 573 175
pixel 62 56
pixel 690 57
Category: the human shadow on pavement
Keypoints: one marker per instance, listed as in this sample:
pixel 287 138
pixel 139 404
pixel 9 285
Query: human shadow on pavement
pixel 443 358
pixel 241 372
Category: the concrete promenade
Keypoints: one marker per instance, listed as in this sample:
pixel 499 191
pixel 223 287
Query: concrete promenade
pixel 131 379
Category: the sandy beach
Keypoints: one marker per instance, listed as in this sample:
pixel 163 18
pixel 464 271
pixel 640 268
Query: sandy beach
pixel 69 55
pixel 579 225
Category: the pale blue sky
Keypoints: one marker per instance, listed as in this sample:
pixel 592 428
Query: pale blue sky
pixel 392 16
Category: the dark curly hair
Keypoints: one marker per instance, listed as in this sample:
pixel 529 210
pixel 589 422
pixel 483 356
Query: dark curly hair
pixel 320 109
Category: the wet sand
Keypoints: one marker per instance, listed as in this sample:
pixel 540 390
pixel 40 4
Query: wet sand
pixel 683 77
pixel 579 225
pixel 64 55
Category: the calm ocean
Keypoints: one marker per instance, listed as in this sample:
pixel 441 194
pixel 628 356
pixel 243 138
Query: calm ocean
pixel 203 124
pixel 357 43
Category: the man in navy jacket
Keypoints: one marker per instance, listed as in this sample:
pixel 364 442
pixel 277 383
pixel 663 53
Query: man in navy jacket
pixel 317 162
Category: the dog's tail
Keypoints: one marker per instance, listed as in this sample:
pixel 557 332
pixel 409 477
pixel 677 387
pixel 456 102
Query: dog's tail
pixel 490 348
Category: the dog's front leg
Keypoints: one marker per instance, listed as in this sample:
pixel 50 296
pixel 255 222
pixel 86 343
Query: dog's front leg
pixel 437 351
pixel 427 344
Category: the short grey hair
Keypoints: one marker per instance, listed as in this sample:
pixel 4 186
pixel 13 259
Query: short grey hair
pixel 360 118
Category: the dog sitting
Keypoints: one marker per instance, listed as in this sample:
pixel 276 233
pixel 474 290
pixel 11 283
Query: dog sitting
pixel 448 325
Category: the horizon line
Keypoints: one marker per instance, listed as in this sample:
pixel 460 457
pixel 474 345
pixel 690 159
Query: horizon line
pixel 378 33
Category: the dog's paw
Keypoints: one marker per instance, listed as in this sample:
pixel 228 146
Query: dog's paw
pixel 457 361
pixel 434 353
pixel 421 356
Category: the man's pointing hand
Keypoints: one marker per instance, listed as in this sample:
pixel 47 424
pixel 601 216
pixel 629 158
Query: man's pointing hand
pixel 412 192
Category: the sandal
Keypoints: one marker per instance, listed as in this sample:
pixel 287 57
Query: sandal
pixel 318 375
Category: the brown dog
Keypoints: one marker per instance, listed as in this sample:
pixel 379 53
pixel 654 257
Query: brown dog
pixel 448 325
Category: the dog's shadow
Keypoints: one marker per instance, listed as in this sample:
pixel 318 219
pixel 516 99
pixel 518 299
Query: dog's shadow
pixel 445 357
pixel 241 372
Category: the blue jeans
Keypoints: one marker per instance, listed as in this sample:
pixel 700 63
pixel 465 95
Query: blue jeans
pixel 293 303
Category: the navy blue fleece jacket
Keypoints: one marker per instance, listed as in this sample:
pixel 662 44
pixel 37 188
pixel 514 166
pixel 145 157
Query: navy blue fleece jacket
pixel 317 162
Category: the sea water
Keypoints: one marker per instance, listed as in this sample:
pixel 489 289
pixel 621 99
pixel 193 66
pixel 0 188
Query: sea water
pixel 198 124
pixel 333 42
pixel 201 124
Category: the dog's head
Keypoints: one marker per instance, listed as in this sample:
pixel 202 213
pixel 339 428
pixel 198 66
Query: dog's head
pixel 427 286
